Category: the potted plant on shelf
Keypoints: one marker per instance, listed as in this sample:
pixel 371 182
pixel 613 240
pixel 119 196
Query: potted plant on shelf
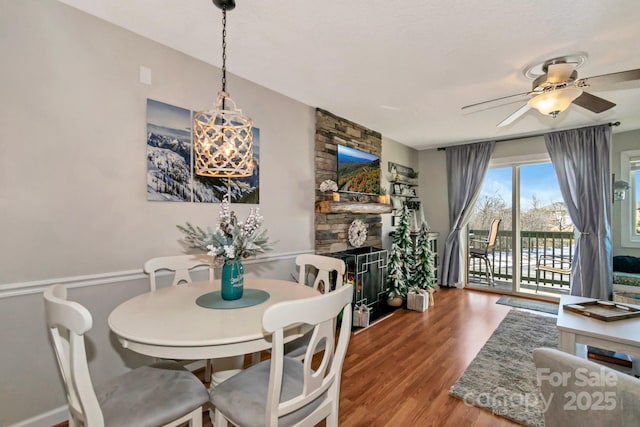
pixel 384 196
pixel 329 185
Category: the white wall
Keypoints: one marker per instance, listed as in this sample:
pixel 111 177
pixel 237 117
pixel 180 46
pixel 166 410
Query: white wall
pixel 73 153
pixel 73 172
pixel 621 142
pixel 434 194
pixel 395 152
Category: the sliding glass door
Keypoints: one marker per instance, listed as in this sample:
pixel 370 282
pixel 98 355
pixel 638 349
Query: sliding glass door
pixel 535 231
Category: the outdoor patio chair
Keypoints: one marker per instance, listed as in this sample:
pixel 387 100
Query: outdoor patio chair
pixel 482 248
pixel 554 264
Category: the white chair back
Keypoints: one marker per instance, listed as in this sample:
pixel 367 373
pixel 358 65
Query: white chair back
pixel 181 265
pixel 67 322
pixel 321 312
pixel 325 265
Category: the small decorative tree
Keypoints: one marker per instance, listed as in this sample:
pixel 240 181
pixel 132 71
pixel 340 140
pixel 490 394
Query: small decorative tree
pixel 401 260
pixel 396 280
pixel 423 272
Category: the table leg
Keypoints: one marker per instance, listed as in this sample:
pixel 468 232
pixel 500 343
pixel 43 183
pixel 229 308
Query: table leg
pixel 567 342
pixel 226 367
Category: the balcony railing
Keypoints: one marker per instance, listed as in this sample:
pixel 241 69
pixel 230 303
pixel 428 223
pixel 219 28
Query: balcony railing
pixel 532 245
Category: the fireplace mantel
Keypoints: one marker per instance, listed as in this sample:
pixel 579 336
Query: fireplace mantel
pixel 329 206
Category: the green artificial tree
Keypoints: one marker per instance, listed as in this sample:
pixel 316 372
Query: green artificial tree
pixel 396 281
pixel 401 260
pixel 423 273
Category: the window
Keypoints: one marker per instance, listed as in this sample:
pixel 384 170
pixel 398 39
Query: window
pixel 630 206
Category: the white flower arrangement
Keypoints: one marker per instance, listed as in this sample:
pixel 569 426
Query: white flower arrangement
pixel 357 233
pixel 328 185
pixel 231 239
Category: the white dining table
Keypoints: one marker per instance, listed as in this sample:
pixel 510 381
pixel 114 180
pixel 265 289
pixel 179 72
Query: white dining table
pixel 168 323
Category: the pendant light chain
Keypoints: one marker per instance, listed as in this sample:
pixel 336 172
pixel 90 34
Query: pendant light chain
pixel 223 136
pixel 224 49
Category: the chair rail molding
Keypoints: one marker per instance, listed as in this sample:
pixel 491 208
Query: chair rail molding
pixel 26 288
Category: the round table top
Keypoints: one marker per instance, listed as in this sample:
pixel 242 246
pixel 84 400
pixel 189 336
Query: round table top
pixel 169 323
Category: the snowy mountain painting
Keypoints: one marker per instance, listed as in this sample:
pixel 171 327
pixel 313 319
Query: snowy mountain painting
pixel 168 152
pixel 170 175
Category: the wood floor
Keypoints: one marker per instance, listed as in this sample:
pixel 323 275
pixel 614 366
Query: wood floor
pixel 398 372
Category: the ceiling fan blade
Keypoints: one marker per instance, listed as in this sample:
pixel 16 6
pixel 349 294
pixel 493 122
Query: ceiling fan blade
pixel 622 76
pixel 560 73
pixel 494 100
pixel 593 103
pixel 515 115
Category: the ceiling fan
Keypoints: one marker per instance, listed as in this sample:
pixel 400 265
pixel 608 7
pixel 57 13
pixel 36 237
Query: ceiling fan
pixel 556 86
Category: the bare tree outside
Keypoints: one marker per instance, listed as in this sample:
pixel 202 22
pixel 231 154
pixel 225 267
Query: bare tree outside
pixel 488 208
pixel 538 216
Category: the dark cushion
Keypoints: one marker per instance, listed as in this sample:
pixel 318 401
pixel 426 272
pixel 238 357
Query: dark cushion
pixel 243 397
pixel 151 396
pixel 626 264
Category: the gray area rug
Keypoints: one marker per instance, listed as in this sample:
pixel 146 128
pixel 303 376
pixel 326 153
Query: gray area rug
pixel 545 307
pixel 502 377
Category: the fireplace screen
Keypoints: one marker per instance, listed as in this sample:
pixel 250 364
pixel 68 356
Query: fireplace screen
pixel 367 271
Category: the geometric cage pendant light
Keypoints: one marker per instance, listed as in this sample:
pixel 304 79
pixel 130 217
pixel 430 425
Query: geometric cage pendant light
pixel 223 142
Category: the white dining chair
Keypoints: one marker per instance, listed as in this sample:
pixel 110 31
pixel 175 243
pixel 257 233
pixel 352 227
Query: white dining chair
pixel 283 391
pixel 324 266
pixel 162 394
pixel 181 266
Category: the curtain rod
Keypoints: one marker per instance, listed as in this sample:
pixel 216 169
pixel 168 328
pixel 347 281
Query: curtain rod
pixel 515 138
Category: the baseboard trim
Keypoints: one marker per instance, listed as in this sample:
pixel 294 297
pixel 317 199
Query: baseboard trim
pixel 27 288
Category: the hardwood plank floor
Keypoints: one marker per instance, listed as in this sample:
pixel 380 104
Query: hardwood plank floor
pixel 398 372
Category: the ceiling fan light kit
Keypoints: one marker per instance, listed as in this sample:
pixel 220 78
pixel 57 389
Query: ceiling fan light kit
pixel 556 86
pixel 555 101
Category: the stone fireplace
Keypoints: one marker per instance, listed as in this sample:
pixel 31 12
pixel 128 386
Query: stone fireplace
pixel 366 266
pixel 331 227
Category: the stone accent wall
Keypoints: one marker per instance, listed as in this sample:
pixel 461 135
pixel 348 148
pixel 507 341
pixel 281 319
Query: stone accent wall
pixel 332 230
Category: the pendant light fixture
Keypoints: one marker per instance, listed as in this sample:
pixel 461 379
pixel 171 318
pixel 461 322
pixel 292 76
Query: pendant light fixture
pixel 223 137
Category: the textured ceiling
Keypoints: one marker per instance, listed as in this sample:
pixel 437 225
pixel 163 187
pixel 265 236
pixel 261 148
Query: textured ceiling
pixel 404 68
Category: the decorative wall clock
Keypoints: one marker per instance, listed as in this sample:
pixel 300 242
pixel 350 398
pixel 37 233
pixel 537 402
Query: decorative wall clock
pixel 357 233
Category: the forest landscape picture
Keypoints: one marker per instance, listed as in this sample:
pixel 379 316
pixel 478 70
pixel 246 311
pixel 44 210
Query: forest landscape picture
pixel 170 175
pixel 358 171
pixel 168 152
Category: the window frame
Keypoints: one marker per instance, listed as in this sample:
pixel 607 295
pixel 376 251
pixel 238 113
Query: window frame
pixel 628 236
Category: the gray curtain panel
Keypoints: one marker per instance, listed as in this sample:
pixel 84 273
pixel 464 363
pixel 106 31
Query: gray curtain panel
pixel 466 168
pixel 580 158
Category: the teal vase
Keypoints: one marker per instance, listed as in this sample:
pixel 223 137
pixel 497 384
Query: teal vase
pixel 232 279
